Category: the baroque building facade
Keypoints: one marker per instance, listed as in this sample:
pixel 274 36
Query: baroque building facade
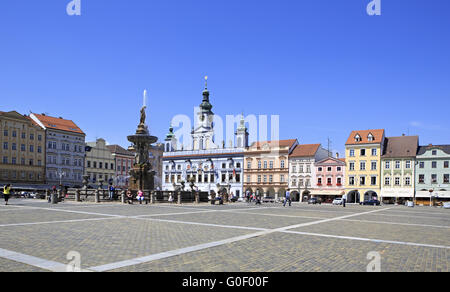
pixel 302 174
pixel 432 174
pixel 64 150
pixel 266 167
pixel 330 178
pixel 22 152
pixel 100 163
pixel 398 169
pixel 363 158
pixel 213 168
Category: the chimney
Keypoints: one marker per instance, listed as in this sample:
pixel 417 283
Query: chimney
pixel 403 135
pixel 337 155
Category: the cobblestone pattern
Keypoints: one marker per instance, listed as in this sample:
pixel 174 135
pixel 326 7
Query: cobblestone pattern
pixel 280 252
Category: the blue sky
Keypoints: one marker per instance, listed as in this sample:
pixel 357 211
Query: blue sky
pixel 324 66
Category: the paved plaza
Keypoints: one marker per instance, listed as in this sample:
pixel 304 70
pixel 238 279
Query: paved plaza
pixel 37 236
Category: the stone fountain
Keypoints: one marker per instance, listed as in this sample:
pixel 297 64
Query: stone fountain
pixel 142 176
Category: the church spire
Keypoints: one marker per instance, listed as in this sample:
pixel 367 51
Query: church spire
pixel 206 106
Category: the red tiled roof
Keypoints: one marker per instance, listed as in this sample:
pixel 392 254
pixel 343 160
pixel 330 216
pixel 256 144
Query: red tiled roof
pixel 377 137
pixel 306 150
pixel 59 124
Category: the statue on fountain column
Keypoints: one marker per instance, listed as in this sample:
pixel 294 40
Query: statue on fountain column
pixel 143 115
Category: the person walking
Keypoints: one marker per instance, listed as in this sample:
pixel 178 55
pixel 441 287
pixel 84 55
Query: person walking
pixel 287 198
pixel 111 192
pixel 344 199
pixel 7 193
pixel 129 197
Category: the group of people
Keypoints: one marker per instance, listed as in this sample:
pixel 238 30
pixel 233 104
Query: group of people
pixel 139 197
pixel 253 197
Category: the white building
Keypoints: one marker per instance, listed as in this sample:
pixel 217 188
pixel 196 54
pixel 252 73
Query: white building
pixel 64 152
pixel 302 172
pixel 214 168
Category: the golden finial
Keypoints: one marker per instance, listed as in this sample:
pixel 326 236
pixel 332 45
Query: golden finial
pixel 206 81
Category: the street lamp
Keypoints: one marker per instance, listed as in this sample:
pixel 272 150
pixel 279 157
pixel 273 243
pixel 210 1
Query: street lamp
pixel 60 174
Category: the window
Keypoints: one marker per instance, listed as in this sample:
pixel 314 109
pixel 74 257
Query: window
pixel 387 165
pixel 5 159
pixel 408 164
pixel 329 169
pixel 308 168
pixel 249 165
pixel 259 164
pixel 339 168
pixel 351 166
pixel 387 181
pixel 434 152
pixel 271 164
pixel 248 179
pixel 31 136
pixel 294 169
pixel 5 146
pixel 100 165
pixel 446 178
pixel 282 178
pixel 374 165
pixel 88 164
pixel 265 164
pixel 5 133
pixel 433 178
pixel 434 164
pixel 39 137
pixel 22 147
pixel 95 164
pixel 362 180
pixel 363 152
pixel 421 178
pixel 13 160
pixel 351 180
pixel 397 181
pixel 282 163
pixel 352 153
pixel 320 169
pixel 23 135
pixel 14 146
pixel 445 164
pixel 319 181
pixel 407 181
pixel 259 178
pixel 370 137
pixel 14 134
pixel 31 148
pixel 265 178
pixel 39 149
pixel 397 164
pixel 339 181
pixel 362 165
pixel 373 180
pixel 374 152
pixel 329 181
pixel 357 138
pixel 422 164
pixel 270 178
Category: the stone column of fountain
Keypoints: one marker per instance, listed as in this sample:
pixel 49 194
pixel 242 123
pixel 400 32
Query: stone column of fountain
pixel 141 172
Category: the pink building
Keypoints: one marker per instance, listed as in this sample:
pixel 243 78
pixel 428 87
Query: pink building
pixel 330 179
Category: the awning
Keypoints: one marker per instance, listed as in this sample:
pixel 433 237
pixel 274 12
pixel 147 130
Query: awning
pixel 327 193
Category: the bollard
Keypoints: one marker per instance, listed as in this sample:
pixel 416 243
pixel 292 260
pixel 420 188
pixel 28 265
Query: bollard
pixel 77 196
pixel 97 196
pixel 197 198
pixel 122 197
pixel 179 198
pixel 152 197
pixel 47 196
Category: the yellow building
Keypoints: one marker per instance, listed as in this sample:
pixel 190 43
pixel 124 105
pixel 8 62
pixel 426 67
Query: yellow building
pixel 22 152
pixel 363 174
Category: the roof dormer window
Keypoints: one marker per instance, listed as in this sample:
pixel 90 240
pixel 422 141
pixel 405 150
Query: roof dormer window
pixel 370 137
pixel 358 138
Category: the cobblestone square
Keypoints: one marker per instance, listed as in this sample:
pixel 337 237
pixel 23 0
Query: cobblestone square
pixel 37 236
